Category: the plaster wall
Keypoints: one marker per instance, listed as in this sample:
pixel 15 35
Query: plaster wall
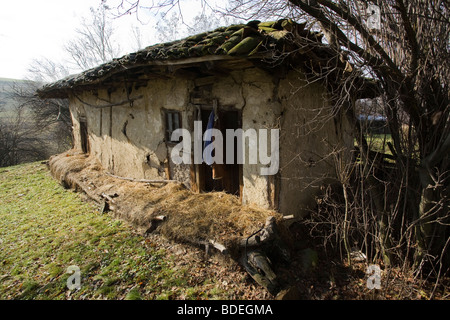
pixel 314 141
pixel 129 140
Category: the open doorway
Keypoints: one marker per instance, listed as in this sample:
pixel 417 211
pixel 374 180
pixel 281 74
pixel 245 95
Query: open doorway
pixel 230 177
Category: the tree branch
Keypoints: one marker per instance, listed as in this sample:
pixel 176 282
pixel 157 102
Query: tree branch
pixel 411 37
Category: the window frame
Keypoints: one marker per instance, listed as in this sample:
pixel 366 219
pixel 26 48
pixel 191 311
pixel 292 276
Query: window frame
pixel 170 124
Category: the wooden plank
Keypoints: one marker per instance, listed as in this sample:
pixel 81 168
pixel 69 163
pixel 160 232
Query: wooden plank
pixel 193 177
pixel 167 169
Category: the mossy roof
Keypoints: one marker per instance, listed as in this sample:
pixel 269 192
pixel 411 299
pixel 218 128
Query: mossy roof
pixel 252 40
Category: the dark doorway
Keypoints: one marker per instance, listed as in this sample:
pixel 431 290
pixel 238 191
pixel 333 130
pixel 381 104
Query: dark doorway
pixel 229 179
pixel 84 135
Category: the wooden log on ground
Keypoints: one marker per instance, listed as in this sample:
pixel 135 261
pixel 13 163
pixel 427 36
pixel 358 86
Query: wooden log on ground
pixel 220 247
pixel 107 197
pixel 257 252
pixel 78 185
pixel 154 223
pixel 262 236
pixel 141 180
pixel 258 265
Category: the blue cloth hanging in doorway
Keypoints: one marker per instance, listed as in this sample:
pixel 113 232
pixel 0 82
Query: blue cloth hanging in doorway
pixel 208 138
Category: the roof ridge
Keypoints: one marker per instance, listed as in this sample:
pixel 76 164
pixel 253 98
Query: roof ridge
pixel 237 40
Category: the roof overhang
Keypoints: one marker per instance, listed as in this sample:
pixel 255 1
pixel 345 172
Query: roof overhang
pixel 142 72
pixel 273 46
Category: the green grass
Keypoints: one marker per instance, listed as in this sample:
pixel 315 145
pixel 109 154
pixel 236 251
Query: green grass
pixel 379 142
pixel 44 229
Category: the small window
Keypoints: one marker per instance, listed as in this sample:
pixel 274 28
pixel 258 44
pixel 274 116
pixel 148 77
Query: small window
pixel 173 122
pixel 84 135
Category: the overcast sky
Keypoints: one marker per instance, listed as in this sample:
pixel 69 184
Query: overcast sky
pixel 32 29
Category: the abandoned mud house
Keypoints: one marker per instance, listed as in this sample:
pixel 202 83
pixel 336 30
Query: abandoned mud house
pixel 254 76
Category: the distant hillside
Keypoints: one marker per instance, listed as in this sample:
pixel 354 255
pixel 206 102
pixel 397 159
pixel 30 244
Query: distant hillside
pixel 6 90
pixel 6 84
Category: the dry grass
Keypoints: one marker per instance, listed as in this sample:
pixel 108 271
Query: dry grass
pixel 190 217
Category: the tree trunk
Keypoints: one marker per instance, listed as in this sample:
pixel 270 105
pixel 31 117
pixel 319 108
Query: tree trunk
pixel 432 227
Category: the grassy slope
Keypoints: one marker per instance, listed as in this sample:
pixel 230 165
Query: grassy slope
pixel 44 229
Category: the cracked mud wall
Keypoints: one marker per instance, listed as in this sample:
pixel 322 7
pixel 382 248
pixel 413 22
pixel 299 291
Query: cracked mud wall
pixel 130 140
pixel 312 138
pixel 253 92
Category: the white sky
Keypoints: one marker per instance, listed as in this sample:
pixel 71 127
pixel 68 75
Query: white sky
pixel 39 28
pixel 32 29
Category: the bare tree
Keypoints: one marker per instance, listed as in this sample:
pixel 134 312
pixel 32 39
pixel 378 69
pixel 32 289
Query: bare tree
pixel 138 39
pixel 408 57
pixel 20 140
pixel 207 21
pixel 41 128
pixel 169 28
pixel 46 70
pixel 406 54
pixel 93 45
pixel 173 26
pixel 51 118
pixel 94 42
pixel 53 113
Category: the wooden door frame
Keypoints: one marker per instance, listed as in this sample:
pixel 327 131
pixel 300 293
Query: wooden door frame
pixel 196 174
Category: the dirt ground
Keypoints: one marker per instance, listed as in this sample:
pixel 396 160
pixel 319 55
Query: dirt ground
pixel 192 218
pixel 231 276
pixel 329 280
